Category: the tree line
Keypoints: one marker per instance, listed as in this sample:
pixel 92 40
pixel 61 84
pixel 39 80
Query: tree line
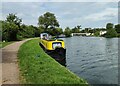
pixel 111 30
pixel 13 29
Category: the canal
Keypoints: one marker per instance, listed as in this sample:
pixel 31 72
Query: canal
pixel 95 59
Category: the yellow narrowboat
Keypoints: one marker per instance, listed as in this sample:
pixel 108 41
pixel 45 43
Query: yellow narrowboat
pixel 53 44
pixel 53 47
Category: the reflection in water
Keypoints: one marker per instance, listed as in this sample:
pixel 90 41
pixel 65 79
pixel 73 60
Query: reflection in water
pixel 93 58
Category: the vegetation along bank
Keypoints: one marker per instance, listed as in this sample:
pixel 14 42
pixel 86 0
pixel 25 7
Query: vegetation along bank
pixel 3 44
pixel 13 29
pixel 36 67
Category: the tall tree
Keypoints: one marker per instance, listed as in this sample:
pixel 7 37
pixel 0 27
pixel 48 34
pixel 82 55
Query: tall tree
pixel 110 31
pixel 76 29
pixel 48 20
pixel 11 26
pixel 109 26
pixel 87 30
pixel 79 27
pixel 67 32
pixel 12 18
pixel 117 28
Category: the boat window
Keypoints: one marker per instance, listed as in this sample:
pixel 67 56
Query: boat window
pixel 56 44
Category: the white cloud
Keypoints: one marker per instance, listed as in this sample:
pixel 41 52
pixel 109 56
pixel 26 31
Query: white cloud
pixel 20 14
pixel 106 14
pixel 68 14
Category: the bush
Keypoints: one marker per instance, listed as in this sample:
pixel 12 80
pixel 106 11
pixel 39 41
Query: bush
pixel 19 37
pixel 111 33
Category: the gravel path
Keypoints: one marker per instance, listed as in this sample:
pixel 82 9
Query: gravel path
pixel 9 69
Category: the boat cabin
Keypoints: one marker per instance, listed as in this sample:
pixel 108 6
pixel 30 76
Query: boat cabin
pixel 49 43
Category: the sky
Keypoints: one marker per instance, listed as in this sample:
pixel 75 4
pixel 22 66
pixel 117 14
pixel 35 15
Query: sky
pixel 68 14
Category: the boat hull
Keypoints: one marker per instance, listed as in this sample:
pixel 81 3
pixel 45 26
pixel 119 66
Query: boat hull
pixel 59 54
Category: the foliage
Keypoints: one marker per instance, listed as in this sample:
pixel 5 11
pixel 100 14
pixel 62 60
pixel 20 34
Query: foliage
pixel 39 68
pixel 9 31
pixel 55 32
pixel 87 30
pixel 10 27
pixel 13 30
pixel 1 30
pixel 91 31
pixel 48 20
pixel 38 30
pixel 97 33
pixel 118 34
pixel 109 26
pixel 110 31
pixel 3 44
pixel 117 28
pixel 67 32
pixel 27 31
pixel 12 18
pixel 76 29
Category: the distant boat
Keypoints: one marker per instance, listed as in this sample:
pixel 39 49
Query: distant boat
pixel 61 36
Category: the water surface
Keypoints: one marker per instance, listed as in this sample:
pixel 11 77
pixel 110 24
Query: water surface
pixel 95 59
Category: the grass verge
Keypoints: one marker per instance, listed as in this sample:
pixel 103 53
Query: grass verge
pixel 3 44
pixel 36 67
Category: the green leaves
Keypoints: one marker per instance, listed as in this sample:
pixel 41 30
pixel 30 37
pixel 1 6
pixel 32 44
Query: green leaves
pixel 67 32
pixel 109 26
pixel 48 20
pixel 12 18
pixel 110 31
pixel 117 28
pixel 10 27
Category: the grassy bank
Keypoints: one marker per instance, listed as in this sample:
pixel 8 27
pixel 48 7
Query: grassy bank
pixel 3 44
pixel 38 68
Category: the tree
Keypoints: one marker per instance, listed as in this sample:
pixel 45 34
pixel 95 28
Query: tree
pixel 38 30
pixel 48 20
pixel 117 28
pixel 12 18
pixel 55 32
pixel 10 27
pixel 91 31
pixel 109 26
pixel 110 31
pixel 1 22
pixel 27 31
pixel 67 32
pixel 97 33
pixel 78 26
pixel 87 30
pixel 76 29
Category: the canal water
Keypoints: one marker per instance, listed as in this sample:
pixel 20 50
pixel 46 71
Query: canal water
pixel 94 59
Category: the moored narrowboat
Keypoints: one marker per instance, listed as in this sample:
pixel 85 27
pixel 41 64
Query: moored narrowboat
pixel 53 47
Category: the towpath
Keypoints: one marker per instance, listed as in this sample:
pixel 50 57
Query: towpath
pixel 9 70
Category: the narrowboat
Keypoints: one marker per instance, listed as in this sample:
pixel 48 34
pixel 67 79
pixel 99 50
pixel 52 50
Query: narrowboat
pixel 53 47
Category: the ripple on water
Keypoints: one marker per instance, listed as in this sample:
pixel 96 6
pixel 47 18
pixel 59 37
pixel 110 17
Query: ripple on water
pixel 93 59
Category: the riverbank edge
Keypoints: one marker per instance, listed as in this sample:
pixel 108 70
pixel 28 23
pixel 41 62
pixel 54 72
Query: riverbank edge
pixel 4 44
pixel 29 67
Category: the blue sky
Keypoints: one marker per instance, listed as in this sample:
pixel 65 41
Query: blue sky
pixel 71 14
